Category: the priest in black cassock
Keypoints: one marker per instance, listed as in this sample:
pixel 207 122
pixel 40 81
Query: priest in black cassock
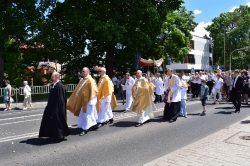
pixel 54 123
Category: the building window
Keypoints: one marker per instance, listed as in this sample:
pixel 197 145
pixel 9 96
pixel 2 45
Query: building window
pixel 210 48
pixel 191 45
pixel 169 61
pixel 210 61
pixel 190 59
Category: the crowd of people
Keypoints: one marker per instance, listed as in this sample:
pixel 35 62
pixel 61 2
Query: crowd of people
pixel 94 102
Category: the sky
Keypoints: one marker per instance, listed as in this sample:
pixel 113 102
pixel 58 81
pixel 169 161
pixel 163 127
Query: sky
pixel 206 10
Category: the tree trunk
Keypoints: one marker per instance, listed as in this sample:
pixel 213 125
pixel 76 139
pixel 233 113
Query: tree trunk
pixel 109 63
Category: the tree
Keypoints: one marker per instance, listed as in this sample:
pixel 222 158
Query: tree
pixel 174 40
pixel 18 23
pixel 234 26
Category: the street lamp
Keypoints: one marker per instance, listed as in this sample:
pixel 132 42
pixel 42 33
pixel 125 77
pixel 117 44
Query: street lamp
pixel 239 49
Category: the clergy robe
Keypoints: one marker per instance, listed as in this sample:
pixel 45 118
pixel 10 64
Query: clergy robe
pixel 82 103
pixel 128 87
pixel 54 123
pixel 106 100
pixel 143 104
pixel 172 107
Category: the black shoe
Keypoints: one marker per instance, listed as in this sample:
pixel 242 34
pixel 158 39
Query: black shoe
pixel 236 111
pixel 171 120
pixel 185 116
pixel 203 113
pixel 138 125
pixel 111 121
pixel 83 133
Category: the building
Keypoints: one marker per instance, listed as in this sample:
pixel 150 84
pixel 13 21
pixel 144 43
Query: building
pixel 199 57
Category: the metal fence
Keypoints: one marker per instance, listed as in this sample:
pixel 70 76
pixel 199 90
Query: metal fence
pixel 36 90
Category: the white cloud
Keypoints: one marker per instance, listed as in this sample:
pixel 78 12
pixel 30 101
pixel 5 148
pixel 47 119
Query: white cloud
pixel 200 29
pixel 233 8
pixel 236 7
pixel 197 11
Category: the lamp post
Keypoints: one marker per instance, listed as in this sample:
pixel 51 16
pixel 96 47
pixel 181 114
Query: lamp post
pixel 225 49
pixel 239 49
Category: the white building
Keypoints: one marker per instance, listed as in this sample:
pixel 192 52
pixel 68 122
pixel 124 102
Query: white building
pixel 199 57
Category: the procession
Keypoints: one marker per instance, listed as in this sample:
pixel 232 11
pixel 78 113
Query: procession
pixel 93 102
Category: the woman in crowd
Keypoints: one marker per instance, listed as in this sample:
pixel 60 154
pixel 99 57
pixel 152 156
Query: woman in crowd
pixel 7 95
pixel 246 86
pixel 218 87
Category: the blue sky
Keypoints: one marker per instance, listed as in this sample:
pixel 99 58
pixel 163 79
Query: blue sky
pixel 206 10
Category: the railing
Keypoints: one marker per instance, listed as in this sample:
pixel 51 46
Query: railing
pixel 37 90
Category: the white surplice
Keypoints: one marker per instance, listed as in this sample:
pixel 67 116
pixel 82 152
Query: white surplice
pixel 176 89
pixel 128 87
pixel 159 89
pixel 88 119
pixel 105 113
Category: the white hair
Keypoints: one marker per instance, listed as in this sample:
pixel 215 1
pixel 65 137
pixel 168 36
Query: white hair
pixel 102 69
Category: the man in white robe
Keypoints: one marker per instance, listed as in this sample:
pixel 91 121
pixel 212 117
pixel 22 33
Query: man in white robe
pixel 82 103
pixel 172 107
pixel 128 88
pixel 143 103
pixel 159 89
pixel 106 99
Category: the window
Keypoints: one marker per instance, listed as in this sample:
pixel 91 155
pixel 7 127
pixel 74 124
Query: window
pixel 190 59
pixel 169 61
pixel 191 45
pixel 210 48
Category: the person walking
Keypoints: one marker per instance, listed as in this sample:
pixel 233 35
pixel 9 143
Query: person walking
pixel 218 88
pixel 203 96
pixel 237 90
pixel 27 95
pixel 7 95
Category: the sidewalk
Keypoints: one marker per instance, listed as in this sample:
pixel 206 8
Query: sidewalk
pixel 223 148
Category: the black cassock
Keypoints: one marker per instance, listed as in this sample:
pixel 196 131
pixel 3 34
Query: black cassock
pixel 172 111
pixel 54 119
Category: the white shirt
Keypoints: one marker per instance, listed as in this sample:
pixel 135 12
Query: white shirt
pixel 128 85
pixel 115 81
pixel 26 91
pixel 184 93
pixel 218 83
pixel 159 90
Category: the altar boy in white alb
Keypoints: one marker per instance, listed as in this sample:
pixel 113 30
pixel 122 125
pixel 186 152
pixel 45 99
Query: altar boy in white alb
pixel 159 89
pixel 128 87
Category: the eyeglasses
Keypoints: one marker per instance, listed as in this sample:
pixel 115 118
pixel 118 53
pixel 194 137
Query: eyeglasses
pixel 99 71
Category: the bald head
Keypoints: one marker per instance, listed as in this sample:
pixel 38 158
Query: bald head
pixel 55 77
pixel 138 74
pixel 85 71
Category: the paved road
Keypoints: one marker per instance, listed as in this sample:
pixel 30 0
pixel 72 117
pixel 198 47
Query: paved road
pixel 112 145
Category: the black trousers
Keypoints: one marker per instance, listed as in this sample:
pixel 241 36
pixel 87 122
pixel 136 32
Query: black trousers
pixel 236 99
pixel 210 86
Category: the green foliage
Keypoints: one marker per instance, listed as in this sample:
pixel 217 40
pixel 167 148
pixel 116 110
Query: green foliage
pixel 237 28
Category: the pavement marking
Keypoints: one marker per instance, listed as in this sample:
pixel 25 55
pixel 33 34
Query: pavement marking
pixel 11 138
pixel 19 122
pixel 20 117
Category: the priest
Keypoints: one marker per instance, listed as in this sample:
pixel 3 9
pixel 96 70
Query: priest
pixel 173 103
pixel 106 100
pixel 82 103
pixel 128 88
pixel 54 123
pixel 143 103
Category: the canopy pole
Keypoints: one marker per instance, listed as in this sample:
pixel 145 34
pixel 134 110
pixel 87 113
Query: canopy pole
pixel 163 65
pixel 154 66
